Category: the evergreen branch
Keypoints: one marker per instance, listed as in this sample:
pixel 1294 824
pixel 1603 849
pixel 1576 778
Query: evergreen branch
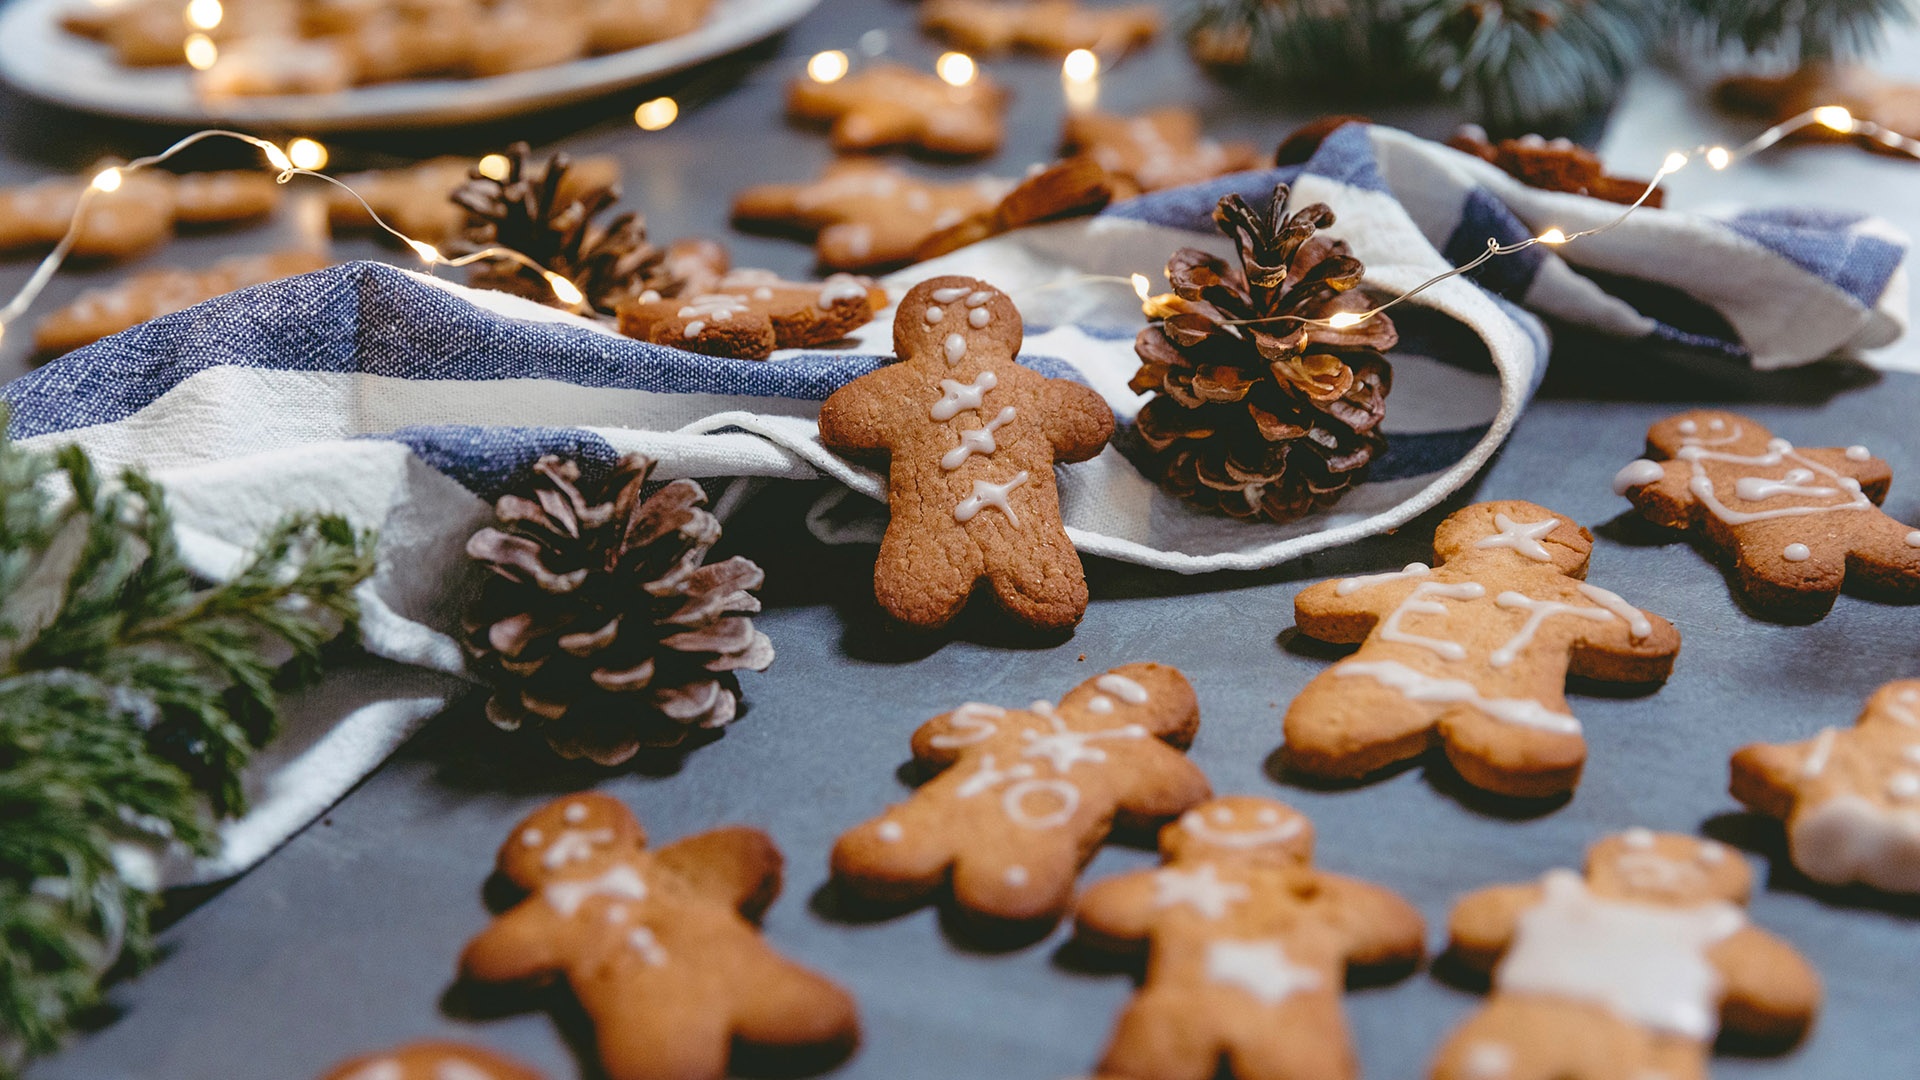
pixel 1822 30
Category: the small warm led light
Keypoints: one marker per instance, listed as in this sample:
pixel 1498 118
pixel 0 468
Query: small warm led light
pixel 1674 163
pixel 306 154
pixel 1080 65
pixel 1340 320
pixel 1553 236
pixel 1140 286
pixel 955 69
pixel 494 167
pixel 568 293
pixel 1718 158
pixel 204 14
pixel 1835 117
pixel 656 114
pixel 829 66
pixel 425 250
pixel 107 180
pixel 201 52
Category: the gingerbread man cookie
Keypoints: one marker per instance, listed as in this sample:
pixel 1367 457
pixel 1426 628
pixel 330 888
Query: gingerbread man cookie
pixel 888 105
pixel 1797 523
pixel 973 437
pixel 1850 799
pixel 1160 149
pixel 1249 949
pixel 433 1059
pixel 97 313
pixel 865 215
pixel 656 944
pixel 1472 653
pixel 1026 795
pixel 747 314
pixel 1064 189
pixel 119 224
pixel 1626 972
pixel 1552 165
pixel 986 27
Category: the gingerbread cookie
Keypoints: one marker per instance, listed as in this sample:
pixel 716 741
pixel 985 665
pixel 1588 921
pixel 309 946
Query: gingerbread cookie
pixel 656 944
pixel 415 199
pixel 1058 27
pixel 1160 149
pixel 1796 523
pixel 1552 165
pixel 433 1059
pixel 746 314
pixel 864 215
pixel 1065 189
pixel 614 25
pixel 1473 654
pixel 1026 795
pixel 973 437
pixel 1249 949
pixel 887 105
pixel 118 224
pixel 1626 972
pixel 1850 799
pixel 1865 93
pixel 97 313
pixel 273 65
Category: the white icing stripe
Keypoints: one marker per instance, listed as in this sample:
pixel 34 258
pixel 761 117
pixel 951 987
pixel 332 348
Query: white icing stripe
pixel 1200 889
pixel 1538 612
pixel 987 494
pixel 1637 473
pixel 977 441
pixel 1647 963
pixel 1760 489
pixel 1419 686
pixel 1349 586
pixel 957 397
pixel 1846 839
pixel 1259 967
pixel 1013 802
pixel 972 722
pixel 1521 536
pixel 1417 603
pixel 1064 747
pixel 574 845
pixel 1240 839
pixel 1638 625
pixel 949 294
pixel 1816 762
pixel 620 881
pixel 1779 451
pixel 1123 688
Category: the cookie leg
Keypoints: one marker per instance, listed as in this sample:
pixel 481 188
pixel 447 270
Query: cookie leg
pixel 1016 882
pixel 642 1039
pixel 783 1004
pixel 1776 583
pixel 1510 758
pixel 1888 564
pixel 1348 726
pixel 1161 1036
pixel 1041 585
pixel 924 576
pixel 901 855
pixel 1306 1041
pixel 1516 1038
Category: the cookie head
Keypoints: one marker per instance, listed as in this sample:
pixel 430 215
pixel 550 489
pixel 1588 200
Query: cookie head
pixel 1722 432
pixel 569 838
pixel 1667 868
pixel 952 322
pixel 1522 533
pixel 1242 827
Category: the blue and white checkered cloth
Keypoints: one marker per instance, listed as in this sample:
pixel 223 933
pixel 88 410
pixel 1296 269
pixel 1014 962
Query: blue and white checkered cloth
pixel 407 404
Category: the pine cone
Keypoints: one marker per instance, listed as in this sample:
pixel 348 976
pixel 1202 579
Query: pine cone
pixel 1272 419
pixel 601 626
pixel 539 212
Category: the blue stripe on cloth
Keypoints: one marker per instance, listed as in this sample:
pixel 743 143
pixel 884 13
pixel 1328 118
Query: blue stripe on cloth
pixel 1824 244
pixel 491 461
pixel 1424 453
pixel 1484 217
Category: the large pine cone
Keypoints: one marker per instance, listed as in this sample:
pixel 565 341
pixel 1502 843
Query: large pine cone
pixel 540 211
pixel 600 625
pixel 1254 415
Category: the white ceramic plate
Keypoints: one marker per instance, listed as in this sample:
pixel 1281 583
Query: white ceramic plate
pixel 39 57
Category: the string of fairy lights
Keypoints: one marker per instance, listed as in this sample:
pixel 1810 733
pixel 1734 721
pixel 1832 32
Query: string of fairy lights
pixel 1080 71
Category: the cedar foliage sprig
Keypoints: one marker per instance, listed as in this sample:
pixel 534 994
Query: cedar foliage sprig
pixel 130 697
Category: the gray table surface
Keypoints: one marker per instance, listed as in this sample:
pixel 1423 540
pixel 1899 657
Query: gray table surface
pixel 345 940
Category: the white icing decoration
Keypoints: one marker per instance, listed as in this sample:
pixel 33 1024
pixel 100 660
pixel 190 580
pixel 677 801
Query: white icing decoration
pixel 574 845
pixel 763 293
pixel 1759 489
pixel 1816 762
pixel 1016 876
pixel 1796 553
pixel 716 306
pixel 934 315
pixel 1487 1061
pixel 957 397
pixel 1778 452
pixel 949 294
pixel 1637 473
pixel 1200 889
pixel 972 722
pixel 978 297
pixel 1538 612
pixel 1123 688
pixel 1903 785
pixel 956 347
pixel 693 329
pixel 1417 603
pixel 1273 831
pixel 1646 962
pixel 1638 625
pixel 575 813
pixel 1260 968
pixel 989 776
pixel 1521 536
pixel 1064 747
pixel 383 1069
pixel 1349 586
pixel 533 838
pixel 641 940
pixel 840 287
pixel 890 831
pixel 1858 453
pixel 1650 871
pixel 620 880
pixel 1100 703
pixel 979 317
pixel 1640 839
pixel 1687 427
pixel 459 1070
pixel 987 494
pixel 1712 852
pixel 977 441
pixel 1418 686
pixel 1013 803
pixel 1913 538
pixel 1846 838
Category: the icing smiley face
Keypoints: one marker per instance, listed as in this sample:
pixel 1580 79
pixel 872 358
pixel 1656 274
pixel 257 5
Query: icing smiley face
pixel 1240 827
pixel 571 838
pixel 1666 868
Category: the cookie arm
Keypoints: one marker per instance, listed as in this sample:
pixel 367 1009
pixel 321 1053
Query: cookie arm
pixel 1116 914
pixel 1766 777
pixel 1382 929
pixel 854 418
pixel 1667 500
pixel 1772 992
pixel 736 866
pixel 1321 611
pixel 1484 922
pixel 1611 651
pixel 519 945
pixel 1079 421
